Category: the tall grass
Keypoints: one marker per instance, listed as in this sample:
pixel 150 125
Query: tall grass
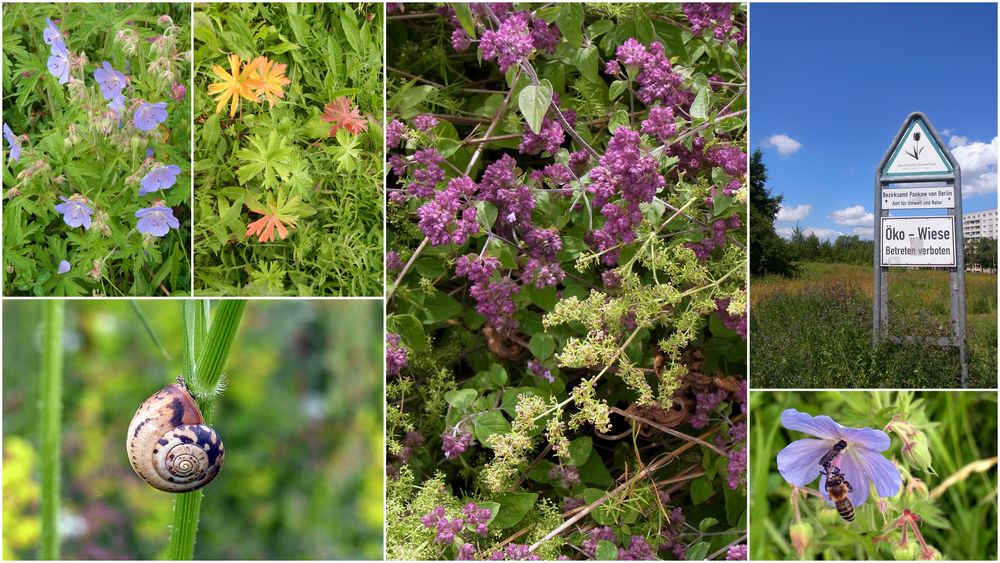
pixel 815 331
pixel 207 341
pixel 51 424
pixel 959 515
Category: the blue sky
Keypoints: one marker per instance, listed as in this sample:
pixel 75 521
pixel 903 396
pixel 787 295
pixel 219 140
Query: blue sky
pixel 830 84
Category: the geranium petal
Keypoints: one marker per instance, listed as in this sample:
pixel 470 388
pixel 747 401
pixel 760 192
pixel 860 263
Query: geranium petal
pixel 798 462
pixel 880 471
pixel 819 426
pixel 870 438
pixel 855 475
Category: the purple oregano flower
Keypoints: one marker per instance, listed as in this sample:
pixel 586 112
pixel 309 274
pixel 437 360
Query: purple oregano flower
pixel 13 141
pixel 59 62
pixel 159 178
pixel 148 116
pixel 156 220
pixel 75 211
pixel 860 462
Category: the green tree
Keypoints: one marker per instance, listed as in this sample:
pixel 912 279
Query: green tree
pixel 769 254
pixel 981 252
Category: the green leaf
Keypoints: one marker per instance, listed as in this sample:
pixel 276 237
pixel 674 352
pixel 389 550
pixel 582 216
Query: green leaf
pixel 464 15
pixel 410 331
pixel 534 101
pixel 210 131
pixel 570 23
pixel 587 63
pixel 707 523
pixel 461 399
pixel 579 450
pixel 486 214
pixel 594 472
pixel 542 345
pixel 440 306
pixel 698 551
pixel 606 551
pixel 729 124
pixel 616 89
pixel 488 424
pixel 513 508
pixel 701 490
pixel 699 107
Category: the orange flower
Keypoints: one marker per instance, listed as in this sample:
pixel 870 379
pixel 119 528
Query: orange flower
pixel 234 85
pixel 269 79
pixel 265 227
pixel 340 113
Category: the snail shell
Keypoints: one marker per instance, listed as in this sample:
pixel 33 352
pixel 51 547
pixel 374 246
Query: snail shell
pixel 170 446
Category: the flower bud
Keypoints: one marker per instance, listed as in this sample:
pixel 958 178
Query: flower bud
pixel 916 452
pixel 931 554
pixel 166 21
pixel 918 488
pixel 906 552
pixel 829 517
pixel 801 534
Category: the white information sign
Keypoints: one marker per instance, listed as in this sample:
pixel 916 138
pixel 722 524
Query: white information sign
pixel 917 154
pixel 917 241
pixel 918 198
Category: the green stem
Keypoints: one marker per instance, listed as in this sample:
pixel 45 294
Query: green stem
pixel 51 423
pixel 206 347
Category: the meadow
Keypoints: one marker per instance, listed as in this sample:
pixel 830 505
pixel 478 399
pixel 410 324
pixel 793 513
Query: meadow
pixel 97 128
pixel 949 479
pixel 288 110
pixel 815 330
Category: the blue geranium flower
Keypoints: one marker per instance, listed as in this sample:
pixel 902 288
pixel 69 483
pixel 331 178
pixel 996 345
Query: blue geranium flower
pixel 860 462
pixel 13 141
pixel 51 34
pixel 110 80
pixel 75 211
pixel 148 116
pixel 156 220
pixel 59 62
pixel 159 179
pixel 117 104
pixel 63 267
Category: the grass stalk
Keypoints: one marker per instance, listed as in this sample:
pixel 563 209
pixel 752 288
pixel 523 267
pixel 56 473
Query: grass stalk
pixel 206 346
pixel 51 424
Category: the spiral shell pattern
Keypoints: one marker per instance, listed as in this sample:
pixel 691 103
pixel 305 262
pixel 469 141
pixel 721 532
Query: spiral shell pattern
pixel 170 446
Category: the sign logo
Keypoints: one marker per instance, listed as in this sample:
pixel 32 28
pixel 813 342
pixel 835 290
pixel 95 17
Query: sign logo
pixel 917 154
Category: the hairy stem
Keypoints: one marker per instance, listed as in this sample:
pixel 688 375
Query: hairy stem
pixel 206 348
pixel 51 424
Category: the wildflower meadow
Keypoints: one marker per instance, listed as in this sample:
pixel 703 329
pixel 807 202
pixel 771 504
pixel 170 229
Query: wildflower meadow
pixel 288 116
pixel 566 275
pixel 922 470
pixel 96 127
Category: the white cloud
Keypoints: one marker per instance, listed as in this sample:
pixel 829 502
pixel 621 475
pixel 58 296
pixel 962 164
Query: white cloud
pixel 866 233
pixel 794 213
pixel 957 141
pixel 786 145
pixel 979 164
pixel 822 234
pixel 855 216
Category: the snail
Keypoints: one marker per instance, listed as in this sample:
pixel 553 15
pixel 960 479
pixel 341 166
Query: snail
pixel 169 445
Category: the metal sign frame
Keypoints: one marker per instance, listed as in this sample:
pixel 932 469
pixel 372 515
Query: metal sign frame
pixel 880 295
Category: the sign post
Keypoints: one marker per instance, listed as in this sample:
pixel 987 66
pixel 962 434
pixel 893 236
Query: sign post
pixel 918 157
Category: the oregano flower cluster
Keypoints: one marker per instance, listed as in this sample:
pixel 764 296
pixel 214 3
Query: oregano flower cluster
pixel 566 232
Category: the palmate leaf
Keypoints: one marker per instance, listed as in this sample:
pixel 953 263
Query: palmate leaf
pixel 268 160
